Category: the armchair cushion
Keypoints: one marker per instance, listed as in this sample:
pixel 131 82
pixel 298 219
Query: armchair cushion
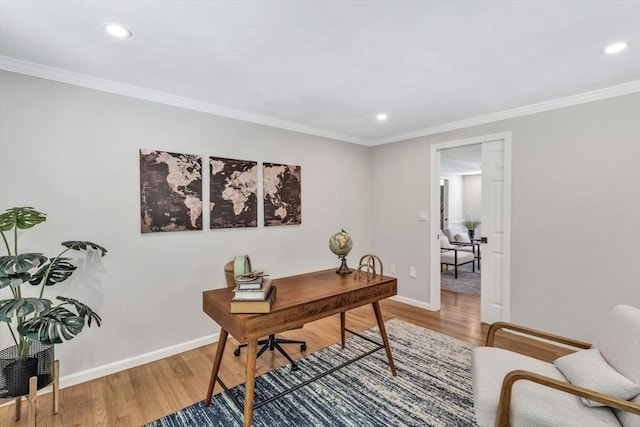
pixel 587 368
pixel 463 238
pixel 444 242
pixel 451 232
pixel 532 404
pixel 449 257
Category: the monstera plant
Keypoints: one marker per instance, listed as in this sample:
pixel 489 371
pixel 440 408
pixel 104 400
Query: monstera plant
pixel 38 319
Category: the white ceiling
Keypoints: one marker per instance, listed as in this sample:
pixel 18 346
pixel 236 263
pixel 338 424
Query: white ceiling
pixel 328 67
pixel 464 160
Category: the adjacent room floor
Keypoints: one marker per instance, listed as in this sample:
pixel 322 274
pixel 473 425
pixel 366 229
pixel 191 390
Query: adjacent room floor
pixel 468 281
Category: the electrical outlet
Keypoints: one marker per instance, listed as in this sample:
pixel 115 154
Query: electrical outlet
pixel 412 272
pixel 392 268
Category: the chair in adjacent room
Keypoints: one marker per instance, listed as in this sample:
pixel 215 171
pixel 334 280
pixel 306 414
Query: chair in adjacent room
pixel 271 342
pixel 455 255
pixel 598 385
pixel 459 237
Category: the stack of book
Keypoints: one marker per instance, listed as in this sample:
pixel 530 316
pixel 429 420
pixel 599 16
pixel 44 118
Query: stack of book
pixel 254 293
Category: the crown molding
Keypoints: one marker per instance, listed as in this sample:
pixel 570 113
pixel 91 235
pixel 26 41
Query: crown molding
pixel 554 104
pixel 64 76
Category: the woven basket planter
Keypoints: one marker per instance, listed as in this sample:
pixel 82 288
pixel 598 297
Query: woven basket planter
pixel 15 372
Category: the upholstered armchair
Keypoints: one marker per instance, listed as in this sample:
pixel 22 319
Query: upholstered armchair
pixel 455 255
pixel 598 385
pixel 459 238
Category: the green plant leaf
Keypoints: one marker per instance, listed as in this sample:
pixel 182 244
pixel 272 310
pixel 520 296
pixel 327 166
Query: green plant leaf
pixel 61 270
pixel 83 310
pixel 78 245
pixel 55 327
pixel 21 263
pixel 13 280
pixel 22 218
pixel 20 307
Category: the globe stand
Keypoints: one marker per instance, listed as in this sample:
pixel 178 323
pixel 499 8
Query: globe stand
pixel 343 268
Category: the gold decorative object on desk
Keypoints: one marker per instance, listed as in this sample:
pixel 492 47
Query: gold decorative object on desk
pixel 369 266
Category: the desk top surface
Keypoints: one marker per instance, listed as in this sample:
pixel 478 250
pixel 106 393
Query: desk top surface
pixel 299 299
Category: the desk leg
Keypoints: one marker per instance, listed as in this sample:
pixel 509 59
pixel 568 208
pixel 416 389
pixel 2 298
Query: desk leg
pixel 252 349
pixel 383 333
pixel 222 342
pixel 342 326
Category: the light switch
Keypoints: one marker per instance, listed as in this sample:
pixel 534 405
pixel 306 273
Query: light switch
pixel 424 215
pixel 412 272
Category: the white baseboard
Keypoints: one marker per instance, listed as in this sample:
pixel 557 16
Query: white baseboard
pixel 121 365
pixel 413 302
pixel 132 362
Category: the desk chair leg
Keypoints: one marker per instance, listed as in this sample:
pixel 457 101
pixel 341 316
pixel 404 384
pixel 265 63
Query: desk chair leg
pixel 273 343
pixel 236 352
pixel 294 365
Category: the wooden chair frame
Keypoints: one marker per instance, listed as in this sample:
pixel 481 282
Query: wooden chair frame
pixel 504 405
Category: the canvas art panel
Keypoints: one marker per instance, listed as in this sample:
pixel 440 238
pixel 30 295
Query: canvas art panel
pixel 233 193
pixel 170 191
pixel 282 194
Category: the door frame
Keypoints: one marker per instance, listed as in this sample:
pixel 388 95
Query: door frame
pixel 434 207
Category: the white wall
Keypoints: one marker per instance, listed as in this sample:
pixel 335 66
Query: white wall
pixel 72 153
pixel 472 198
pixel 456 198
pixel 575 175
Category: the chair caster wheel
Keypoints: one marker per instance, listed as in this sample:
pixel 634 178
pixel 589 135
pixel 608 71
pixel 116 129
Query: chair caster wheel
pixel 236 352
pixel 294 367
pixel 303 347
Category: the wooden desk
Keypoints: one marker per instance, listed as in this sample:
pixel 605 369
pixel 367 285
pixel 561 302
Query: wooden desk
pixel 299 299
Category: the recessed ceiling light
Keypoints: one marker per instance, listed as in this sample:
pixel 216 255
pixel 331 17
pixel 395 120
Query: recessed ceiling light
pixel 381 117
pixel 615 48
pixel 117 31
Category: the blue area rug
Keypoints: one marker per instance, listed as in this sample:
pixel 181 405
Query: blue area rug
pixel 433 387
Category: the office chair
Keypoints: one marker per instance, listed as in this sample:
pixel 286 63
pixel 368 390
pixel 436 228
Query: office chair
pixel 272 342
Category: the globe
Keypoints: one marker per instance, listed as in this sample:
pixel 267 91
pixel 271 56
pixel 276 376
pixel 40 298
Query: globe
pixel 340 244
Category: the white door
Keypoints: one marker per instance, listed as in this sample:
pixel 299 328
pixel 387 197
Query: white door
pixel 496 225
pixel 494 288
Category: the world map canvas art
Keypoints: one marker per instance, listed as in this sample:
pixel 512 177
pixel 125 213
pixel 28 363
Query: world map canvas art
pixel 170 191
pixel 233 193
pixel 282 194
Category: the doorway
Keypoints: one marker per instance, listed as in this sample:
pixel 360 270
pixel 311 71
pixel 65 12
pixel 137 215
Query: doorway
pixel 496 223
pixel 461 210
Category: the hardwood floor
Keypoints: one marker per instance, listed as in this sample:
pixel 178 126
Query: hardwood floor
pixel 148 392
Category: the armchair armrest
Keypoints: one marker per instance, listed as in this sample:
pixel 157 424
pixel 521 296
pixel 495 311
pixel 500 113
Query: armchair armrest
pixel 504 405
pixel 443 250
pixel 533 332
